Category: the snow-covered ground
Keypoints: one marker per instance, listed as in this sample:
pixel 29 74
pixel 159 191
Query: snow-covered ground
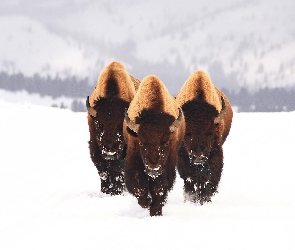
pixel 23 97
pixel 50 196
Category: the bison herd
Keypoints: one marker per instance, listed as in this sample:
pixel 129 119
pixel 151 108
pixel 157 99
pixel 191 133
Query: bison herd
pixel 140 136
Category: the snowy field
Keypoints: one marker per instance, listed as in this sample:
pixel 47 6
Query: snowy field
pixel 50 194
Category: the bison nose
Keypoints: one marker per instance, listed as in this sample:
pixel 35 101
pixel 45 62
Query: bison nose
pixel 153 160
pixel 108 145
pixel 198 159
pixel 153 170
pixel 152 166
pixel 109 154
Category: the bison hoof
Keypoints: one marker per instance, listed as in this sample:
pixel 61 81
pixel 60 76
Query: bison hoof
pixel 112 191
pixel 205 192
pixel 203 200
pixel 144 202
pixel 190 196
pixel 112 188
pixel 155 211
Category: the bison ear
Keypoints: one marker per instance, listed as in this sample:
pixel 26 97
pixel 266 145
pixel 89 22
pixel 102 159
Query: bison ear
pixel 222 113
pixel 132 126
pixel 131 132
pixel 90 110
pixel 177 122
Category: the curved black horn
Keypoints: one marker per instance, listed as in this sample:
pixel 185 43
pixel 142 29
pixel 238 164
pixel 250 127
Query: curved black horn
pixel 132 125
pixel 222 112
pixel 90 110
pixel 177 122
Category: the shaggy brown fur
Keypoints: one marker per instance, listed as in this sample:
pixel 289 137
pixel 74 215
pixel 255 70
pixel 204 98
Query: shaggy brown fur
pixel 153 129
pixel 112 94
pixel 201 155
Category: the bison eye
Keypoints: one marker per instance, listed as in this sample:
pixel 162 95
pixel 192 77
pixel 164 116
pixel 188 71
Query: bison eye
pixel 188 134
pixel 140 144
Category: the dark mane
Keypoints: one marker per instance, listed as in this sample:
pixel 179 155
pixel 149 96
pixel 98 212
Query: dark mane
pixel 112 89
pixel 196 110
pixel 155 117
pixel 105 105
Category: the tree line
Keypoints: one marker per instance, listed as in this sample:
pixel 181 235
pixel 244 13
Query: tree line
pixel 263 100
pixel 54 87
pixel 48 86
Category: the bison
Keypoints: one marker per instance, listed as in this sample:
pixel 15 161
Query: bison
pixel 106 108
pixel 153 129
pixel 208 116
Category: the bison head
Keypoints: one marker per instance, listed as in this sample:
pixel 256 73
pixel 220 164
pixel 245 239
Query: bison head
pixel 154 131
pixel 202 120
pixel 108 116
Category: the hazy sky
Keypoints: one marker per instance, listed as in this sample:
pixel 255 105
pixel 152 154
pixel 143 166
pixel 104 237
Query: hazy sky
pixel 240 43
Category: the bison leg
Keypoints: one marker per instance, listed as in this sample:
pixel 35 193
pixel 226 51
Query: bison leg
pixel 117 184
pixel 111 177
pixel 197 187
pixel 143 199
pixel 100 165
pixel 111 183
pixel 187 172
pixel 216 165
pixel 136 180
pixel 116 177
pixel 159 191
pixel 110 172
pixel 203 183
pixel 105 186
pixel 209 176
pixel 189 190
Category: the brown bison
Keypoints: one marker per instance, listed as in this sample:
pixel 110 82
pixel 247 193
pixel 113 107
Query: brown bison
pixel 106 108
pixel 208 116
pixel 153 129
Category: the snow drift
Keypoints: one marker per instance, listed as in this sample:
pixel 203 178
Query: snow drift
pixel 50 198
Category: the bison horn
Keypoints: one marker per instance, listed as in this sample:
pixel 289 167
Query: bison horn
pixel 222 113
pixel 90 110
pixel 132 125
pixel 177 122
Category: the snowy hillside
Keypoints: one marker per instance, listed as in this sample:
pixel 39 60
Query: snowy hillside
pixel 240 43
pixel 50 198
pixel 29 47
pixel 22 97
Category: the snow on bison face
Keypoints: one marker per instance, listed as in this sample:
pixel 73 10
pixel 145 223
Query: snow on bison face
pixel 108 119
pixel 154 147
pixel 199 141
pixel 202 122
pixel 154 132
pixel 109 139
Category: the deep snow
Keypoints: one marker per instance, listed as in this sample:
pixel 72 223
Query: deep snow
pixel 50 198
